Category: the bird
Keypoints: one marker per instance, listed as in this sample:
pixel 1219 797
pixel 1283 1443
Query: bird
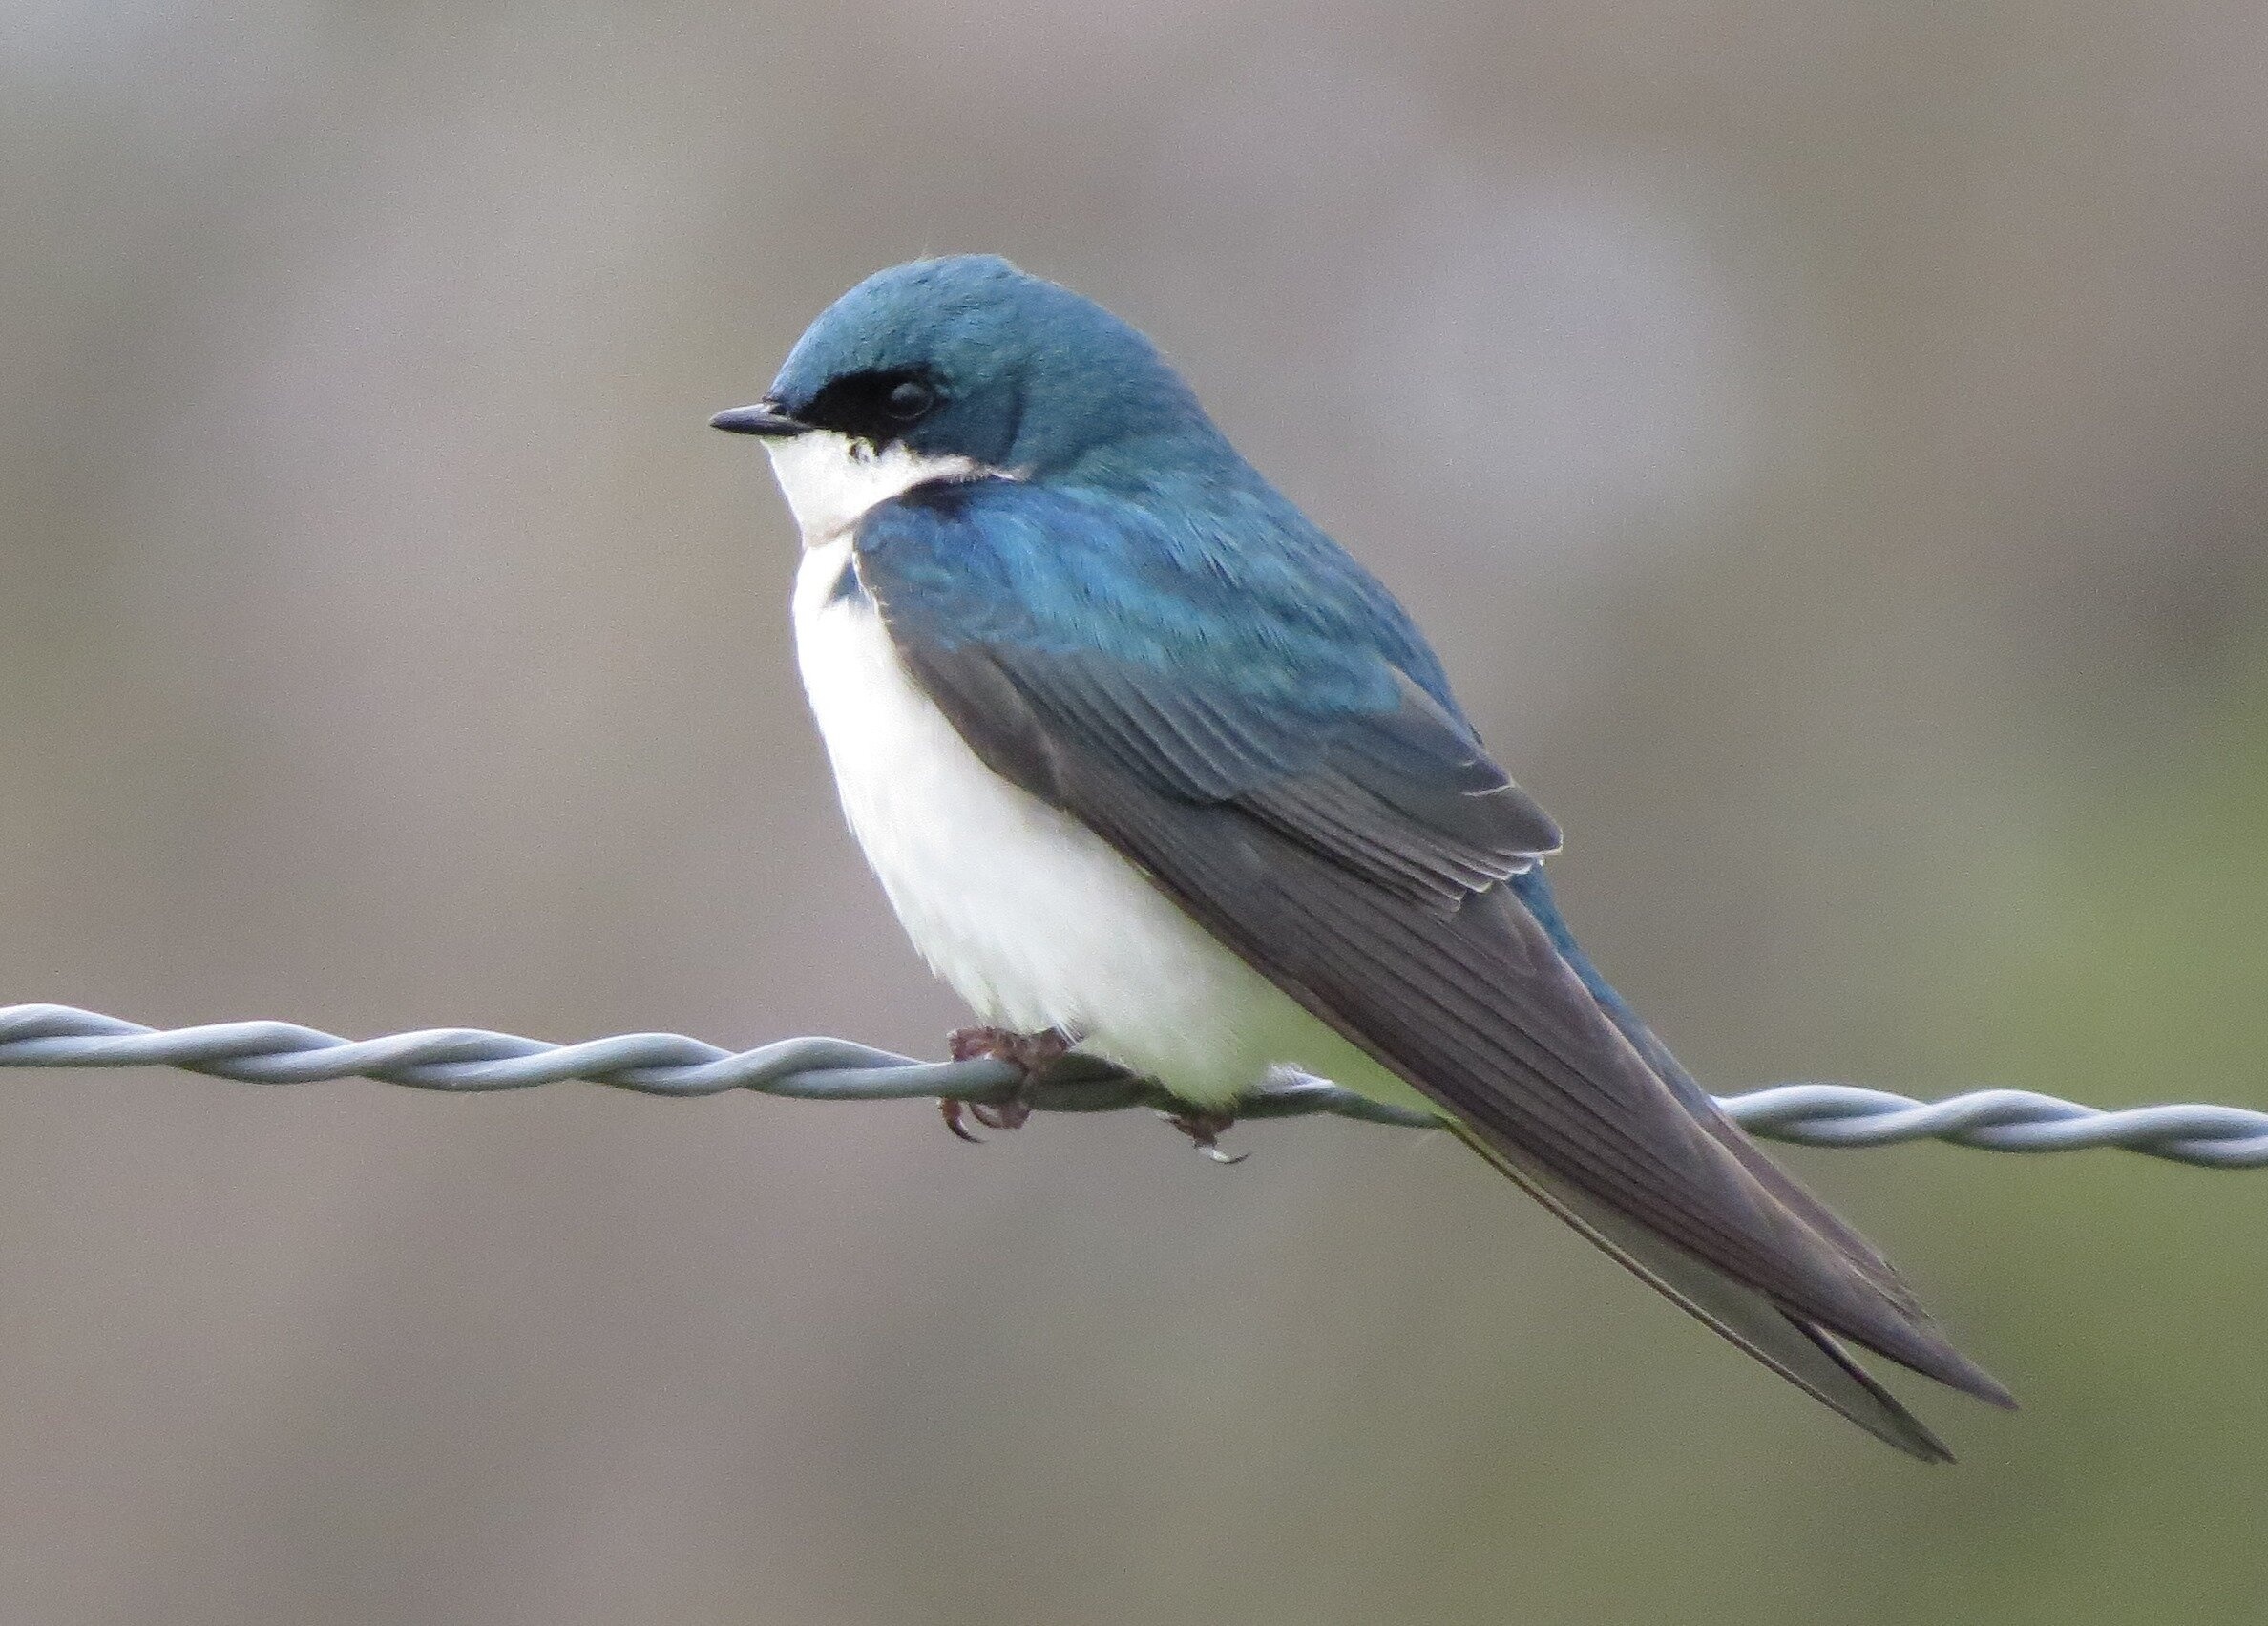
pixel 1150 767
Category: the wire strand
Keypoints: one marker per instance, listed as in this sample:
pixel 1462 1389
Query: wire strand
pixel 472 1061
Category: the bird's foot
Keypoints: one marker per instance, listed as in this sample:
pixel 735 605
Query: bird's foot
pixel 1204 1129
pixel 1030 1051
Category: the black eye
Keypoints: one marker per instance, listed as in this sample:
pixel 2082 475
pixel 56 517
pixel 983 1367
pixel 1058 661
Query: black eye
pixel 909 399
pixel 872 407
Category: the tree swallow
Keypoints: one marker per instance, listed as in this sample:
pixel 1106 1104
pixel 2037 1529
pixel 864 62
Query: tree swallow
pixel 1148 764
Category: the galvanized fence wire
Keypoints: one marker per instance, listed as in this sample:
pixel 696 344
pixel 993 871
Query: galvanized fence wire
pixel 471 1059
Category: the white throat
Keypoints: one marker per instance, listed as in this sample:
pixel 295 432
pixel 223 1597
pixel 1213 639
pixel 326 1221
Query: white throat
pixel 830 480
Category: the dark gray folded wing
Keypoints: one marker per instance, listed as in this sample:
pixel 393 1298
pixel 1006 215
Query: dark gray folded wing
pixel 1353 855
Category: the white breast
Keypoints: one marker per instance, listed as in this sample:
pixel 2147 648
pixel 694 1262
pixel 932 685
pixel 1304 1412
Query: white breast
pixel 1031 917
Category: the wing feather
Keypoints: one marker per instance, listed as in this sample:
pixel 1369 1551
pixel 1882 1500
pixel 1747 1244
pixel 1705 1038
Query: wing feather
pixel 1335 822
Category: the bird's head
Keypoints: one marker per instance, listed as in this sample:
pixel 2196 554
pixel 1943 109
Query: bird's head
pixel 963 366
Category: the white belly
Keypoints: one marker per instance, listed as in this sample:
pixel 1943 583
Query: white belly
pixel 1031 917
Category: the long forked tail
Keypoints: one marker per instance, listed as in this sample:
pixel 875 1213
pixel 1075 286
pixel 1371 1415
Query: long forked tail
pixel 1805 1355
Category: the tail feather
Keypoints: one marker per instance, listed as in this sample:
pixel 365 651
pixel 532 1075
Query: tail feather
pixel 1806 1355
pixel 1953 1367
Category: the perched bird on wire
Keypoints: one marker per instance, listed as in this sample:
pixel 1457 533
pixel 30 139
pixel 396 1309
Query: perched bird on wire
pixel 1148 766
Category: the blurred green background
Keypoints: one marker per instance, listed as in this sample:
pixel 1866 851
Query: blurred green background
pixel 1825 442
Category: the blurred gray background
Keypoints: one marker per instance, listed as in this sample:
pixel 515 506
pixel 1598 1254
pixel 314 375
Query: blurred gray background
pixel 1825 442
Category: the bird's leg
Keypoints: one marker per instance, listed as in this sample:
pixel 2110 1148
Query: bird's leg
pixel 1204 1129
pixel 1030 1051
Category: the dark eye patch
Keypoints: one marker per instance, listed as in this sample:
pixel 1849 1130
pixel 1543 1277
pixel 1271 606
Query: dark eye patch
pixel 872 407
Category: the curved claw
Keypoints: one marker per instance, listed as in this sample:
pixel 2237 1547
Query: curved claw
pixel 1205 1130
pixel 1029 1051
pixel 951 1111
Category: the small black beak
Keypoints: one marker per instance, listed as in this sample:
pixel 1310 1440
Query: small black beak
pixel 764 418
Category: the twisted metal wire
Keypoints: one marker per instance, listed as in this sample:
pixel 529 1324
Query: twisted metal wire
pixel 470 1059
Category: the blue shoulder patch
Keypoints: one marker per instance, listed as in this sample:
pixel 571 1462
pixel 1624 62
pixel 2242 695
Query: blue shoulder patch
pixel 1222 587
pixel 1215 664
pixel 848 588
